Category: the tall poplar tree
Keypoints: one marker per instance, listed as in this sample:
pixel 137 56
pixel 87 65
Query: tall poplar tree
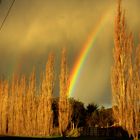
pixel 125 77
pixel 64 104
pixel 48 87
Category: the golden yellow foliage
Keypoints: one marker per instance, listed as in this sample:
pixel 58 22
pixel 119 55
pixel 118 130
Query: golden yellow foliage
pixel 65 109
pixel 125 77
pixel 22 111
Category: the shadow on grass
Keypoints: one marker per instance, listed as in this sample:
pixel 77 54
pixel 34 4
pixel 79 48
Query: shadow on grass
pixel 65 138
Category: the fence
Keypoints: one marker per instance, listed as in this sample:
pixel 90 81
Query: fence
pixel 110 131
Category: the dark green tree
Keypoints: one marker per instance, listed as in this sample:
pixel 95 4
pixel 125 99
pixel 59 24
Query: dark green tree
pixel 105 117
pixel 79 113
pixel 91 114
pixel 91 108
pixel 55 111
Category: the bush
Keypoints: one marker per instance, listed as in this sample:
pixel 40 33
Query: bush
pixel 74 133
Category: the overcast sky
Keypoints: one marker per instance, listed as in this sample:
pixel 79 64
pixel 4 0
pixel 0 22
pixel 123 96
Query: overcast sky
pixel 36 27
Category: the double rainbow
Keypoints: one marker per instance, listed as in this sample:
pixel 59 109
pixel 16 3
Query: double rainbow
pixel 85 51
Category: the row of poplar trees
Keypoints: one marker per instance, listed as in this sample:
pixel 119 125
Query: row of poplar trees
pixel 27 110
pixel 126 77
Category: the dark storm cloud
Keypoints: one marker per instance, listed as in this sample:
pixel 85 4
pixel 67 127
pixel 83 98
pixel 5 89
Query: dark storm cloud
pixel 36 27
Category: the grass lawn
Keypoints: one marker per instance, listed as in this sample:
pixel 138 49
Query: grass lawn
pixel 62 138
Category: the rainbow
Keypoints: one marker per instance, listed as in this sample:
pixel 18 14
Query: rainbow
pixel 84 53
